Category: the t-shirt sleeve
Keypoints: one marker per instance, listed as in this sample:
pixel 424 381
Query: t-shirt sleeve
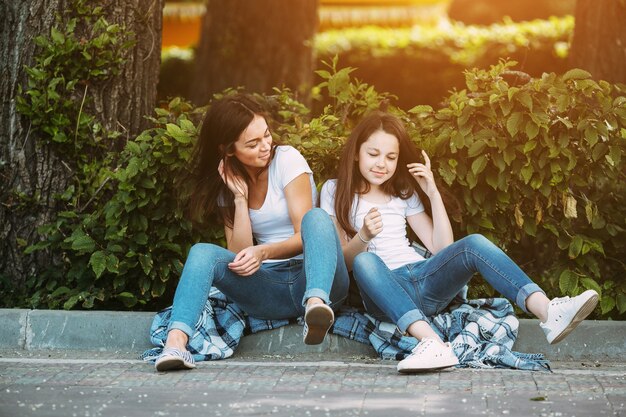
pixel 414 205
pixel 290 164
pixel 327 197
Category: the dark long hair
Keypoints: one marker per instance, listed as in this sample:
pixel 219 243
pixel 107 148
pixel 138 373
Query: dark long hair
pixel 223 124
pixel 350 182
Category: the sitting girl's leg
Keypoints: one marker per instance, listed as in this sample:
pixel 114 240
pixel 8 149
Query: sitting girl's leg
pixel 385 288
pixel 449 270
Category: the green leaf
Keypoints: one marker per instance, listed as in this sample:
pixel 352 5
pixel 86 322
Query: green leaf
pixel 576 74
pixel 575 247
pixel 568 282
pixel 127 298
pixel 421 109
pixel 607 304
pixel 531 129
pixel 83 243
pixel 479 164
pixel 591 284
pixel 98 263
pixel 621 303
pixel 513 123
pixel 476 148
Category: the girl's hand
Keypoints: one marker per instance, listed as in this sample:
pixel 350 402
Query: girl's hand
pixel 372 224
pixel 424 176
pixel 247 261
pixel 234 183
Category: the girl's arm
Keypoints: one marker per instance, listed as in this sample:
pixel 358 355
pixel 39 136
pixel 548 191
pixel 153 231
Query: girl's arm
pixel 435 234
pixel 372 225
pixel 298 196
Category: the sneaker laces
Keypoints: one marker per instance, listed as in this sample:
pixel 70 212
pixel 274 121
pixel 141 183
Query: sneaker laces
pixel 421 346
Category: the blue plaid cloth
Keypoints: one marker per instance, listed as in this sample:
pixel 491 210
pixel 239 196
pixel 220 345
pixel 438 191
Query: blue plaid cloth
pixel 482 333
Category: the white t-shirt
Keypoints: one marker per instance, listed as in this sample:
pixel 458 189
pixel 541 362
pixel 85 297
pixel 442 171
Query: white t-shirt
pixel 271 223
pixel 391 244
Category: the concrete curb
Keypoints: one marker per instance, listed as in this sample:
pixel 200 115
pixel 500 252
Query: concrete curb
pixel 109 331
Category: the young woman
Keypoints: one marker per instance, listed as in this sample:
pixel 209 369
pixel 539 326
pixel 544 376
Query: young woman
pixel 279 262
pixel 380 188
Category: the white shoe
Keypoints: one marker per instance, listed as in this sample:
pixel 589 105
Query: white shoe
pixel 428 355
pixel 565 313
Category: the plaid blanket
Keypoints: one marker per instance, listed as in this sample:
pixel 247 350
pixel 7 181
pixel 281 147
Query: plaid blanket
pixel 482 333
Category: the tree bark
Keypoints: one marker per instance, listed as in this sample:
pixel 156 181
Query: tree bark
pixel 599 44
pixel 33 170
pixel 258 45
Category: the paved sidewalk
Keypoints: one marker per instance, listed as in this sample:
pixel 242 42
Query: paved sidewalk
pixel 95 384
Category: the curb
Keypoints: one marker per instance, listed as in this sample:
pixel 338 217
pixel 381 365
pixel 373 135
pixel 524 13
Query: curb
pixel 110 331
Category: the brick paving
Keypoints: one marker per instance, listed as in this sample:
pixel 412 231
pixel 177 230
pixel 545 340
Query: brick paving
pixel 93 385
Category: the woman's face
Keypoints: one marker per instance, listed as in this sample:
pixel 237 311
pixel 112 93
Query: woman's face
pixel 378 157
pixel 254 145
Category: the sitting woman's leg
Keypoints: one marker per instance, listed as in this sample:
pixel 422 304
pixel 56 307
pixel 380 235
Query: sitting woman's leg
pixel 327 280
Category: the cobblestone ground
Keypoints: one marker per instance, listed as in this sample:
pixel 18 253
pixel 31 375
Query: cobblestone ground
pixel 96 385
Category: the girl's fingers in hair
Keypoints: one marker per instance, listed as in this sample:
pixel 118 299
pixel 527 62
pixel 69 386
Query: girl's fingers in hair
pixel 426 159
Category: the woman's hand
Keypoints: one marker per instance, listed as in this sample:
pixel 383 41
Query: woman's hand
pixel 372 224
pixel 234 183
pixel 424 176
pixel 247 261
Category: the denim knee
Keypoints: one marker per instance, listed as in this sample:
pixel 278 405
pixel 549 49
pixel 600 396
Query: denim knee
pixel 364 262
pixel 203 250
pixel 316 217
pixel 476 241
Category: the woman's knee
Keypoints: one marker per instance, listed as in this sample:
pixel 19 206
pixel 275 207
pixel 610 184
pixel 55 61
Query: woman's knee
pixel 316 217
pixel 203 251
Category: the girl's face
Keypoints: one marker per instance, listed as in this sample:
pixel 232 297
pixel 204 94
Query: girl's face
pixel 378 157
pixel 254 145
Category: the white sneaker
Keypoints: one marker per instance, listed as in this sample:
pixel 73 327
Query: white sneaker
pixel 565 313
pixel 428 355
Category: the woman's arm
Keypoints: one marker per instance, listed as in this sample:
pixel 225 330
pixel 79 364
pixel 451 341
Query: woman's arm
pixel 298 195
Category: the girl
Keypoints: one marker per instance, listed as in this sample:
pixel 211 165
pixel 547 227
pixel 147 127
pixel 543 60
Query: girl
pixel 279 262
pixel 380 188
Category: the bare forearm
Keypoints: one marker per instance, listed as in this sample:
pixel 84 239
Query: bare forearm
pixel 241 237
pixel 285 249
pixel 442 229
pixel 351 249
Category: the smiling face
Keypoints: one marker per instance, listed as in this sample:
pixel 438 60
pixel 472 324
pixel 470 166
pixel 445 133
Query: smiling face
pixel 378 158
pixel 253 148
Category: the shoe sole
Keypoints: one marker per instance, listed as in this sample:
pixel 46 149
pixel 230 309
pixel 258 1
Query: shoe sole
pixel 318 319
pixel 417 370
pixel 173 364
pixel 584 311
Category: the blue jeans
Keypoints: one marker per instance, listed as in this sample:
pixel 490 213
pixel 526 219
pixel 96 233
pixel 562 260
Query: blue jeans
pixel 416 291
pixel 277 290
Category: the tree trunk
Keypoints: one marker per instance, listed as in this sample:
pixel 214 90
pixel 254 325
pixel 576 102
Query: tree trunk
pixel 599 44
pixel 258 45
pixel 31 172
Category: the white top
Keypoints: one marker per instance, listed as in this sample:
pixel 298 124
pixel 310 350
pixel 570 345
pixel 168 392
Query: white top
pixel 271 223
pixel 391 244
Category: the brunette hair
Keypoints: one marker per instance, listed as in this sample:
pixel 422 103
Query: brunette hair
pixel 223 125
pixel 350 182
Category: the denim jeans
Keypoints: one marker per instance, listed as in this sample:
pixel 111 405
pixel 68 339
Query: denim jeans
pixel 416 291
pixel 277 290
